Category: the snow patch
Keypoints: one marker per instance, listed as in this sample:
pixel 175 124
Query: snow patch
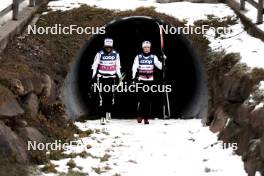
pixel 165 147
pixel 261 86
pixel 260 105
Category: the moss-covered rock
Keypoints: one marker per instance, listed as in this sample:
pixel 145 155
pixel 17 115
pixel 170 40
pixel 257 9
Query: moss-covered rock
pixel 9 107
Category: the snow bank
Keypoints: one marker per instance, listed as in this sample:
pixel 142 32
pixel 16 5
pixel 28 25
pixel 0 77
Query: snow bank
pixel 114 4
pixel 251 49
pixel 180 10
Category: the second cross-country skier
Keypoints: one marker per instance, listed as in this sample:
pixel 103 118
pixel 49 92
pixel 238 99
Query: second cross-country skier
pixel 143 68
pixel 106 67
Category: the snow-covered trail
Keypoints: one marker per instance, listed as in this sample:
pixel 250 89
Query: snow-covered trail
pixel 165 147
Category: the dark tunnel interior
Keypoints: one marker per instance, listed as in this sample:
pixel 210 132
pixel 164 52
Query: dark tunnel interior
pixel 183 69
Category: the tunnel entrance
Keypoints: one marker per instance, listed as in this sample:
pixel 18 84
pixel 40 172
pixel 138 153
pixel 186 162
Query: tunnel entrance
pixel 185 72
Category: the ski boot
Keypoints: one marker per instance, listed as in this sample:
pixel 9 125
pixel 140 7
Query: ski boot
pixel 108 117
pixel 146 122
pixel 103 120
pixel 139 119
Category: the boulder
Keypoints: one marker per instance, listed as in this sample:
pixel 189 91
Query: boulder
pixel 236 89
pixel 37 83
pixel 27 84
pixel 256 120
pixel 17 86
pixel 21 123
pixel 230 133
pixel 42 84
pixel 252 161
pixel 31 134
pixel 219 121
pixel 242 113
pixel 250 166
pixel 31 104
pixel 47 85
pixel 9 106
pixel 262 147
pixel 243 139
pixel 11 145
pixel 48 94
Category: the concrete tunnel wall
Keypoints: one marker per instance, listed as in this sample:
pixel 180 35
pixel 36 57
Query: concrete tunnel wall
pixel 185 72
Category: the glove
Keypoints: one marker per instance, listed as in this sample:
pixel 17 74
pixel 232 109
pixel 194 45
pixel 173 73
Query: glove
pixel 120 81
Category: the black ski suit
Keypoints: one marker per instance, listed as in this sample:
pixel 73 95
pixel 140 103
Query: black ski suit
pixel 144 67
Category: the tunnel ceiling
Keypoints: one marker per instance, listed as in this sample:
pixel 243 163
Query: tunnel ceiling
pixel 184 71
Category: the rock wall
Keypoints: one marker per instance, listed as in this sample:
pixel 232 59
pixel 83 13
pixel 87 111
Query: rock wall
pixel 22 98
pixel 30 108
pixel 235 112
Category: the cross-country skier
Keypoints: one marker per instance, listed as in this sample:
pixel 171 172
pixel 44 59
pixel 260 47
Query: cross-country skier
pixel 143 68
pixel 106 67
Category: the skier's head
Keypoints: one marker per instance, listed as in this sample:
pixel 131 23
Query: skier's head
pixel 108 44
pixel 146 45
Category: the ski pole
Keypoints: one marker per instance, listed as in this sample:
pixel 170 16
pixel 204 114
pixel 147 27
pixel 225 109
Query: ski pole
pixel 166 102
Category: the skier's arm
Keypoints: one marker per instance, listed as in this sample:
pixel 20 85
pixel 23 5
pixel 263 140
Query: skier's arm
pixel 95 64
pixel 135 67
pixel 157 63
pixel 118 66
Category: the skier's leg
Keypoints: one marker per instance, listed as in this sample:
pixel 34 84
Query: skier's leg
pixel 139 118
pixel 147 107
pixel 141 105
pixel 148 101
pixel 98 82
pixel 109 100
pixel 144 105
pixel 100 93
pixel 103 102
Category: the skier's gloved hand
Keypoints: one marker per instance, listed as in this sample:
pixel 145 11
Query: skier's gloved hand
pixel 119 81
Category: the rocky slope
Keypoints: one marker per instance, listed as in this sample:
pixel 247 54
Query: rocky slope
pixel 234 109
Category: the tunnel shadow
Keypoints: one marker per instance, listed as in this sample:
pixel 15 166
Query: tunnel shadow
pixel 184 70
